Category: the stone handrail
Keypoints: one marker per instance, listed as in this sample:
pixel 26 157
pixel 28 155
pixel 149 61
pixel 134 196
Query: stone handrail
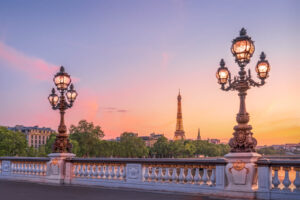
pixel 273 177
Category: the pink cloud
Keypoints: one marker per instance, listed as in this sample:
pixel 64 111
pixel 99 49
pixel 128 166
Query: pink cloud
pixel 34 67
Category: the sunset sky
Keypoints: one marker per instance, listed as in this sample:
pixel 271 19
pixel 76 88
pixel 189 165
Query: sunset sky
pixel 128 60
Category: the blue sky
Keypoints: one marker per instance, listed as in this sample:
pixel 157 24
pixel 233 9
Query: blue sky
pixel 135 55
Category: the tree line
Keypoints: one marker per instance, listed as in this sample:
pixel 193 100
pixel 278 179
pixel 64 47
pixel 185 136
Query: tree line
pixel 87 141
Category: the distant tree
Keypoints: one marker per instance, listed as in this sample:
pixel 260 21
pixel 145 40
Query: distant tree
pixel 87 137
pixel 270 151
pixel 189 148
pixel 161 148
pixel 49 143
pixel 132 146
pixel 12 143
pixel 177 148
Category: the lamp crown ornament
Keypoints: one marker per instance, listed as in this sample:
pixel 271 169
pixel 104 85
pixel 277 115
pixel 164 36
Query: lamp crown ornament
pixel 222 63
pixel 262 56
pixel 243 32
pixel 242 49
pixel 62 80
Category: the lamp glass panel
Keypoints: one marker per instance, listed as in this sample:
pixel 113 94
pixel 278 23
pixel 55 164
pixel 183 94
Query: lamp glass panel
pixel 222 75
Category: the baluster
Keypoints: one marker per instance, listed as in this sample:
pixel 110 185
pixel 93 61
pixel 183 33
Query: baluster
pixel 166 177
pixel 213 176
pixel 101 171
pixel 91 171
pixel 286 181
pixel 160 174
pixel 297 179
pixel 205 176
pixel 29 168
pixel 39 169
pixel 112 174
pixel 22 168
pixel 124 172
pixel 35 169
pixel 189 177
pixel 275 179
pixel 174 175
pixel 81 172
pixel 107 171
pixel 197 176
pixel 146 173
pixel 44 169
pixel 153 174
pixel 25 168
pixel 118 175
pixel 95 174
pixel 181 175
pixel 76 169
pixel 32 168
pixel 85 173
pixel 16 169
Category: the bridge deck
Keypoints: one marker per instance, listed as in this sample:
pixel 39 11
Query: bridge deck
pixel 32 191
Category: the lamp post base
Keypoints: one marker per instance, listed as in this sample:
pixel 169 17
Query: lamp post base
pixel 56 173
pixel 240 172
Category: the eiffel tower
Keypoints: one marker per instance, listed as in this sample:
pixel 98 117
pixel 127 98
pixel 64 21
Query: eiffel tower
pixel 179 133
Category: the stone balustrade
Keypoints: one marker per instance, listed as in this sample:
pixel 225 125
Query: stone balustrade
pixel 153 174
pixel 24 168
pixel 275 177
pixel 279 178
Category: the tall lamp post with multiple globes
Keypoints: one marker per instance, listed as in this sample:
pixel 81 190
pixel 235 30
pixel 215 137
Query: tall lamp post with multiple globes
pixel 242 49
pixel 62 102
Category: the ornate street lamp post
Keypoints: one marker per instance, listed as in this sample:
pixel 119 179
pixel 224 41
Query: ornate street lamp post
pixel 242 49
pixel 62 81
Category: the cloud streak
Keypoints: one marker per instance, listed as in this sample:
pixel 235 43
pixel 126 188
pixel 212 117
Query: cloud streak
pixel 34 67
pixel 114 109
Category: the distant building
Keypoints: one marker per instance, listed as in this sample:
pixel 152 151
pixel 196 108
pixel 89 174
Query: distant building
pixel 198 136
pixel 214 141
pixel 152 139
pixel 35 136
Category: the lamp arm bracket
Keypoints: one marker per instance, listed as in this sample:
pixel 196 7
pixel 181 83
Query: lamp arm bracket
pixel 56 107
pixel 231 85
pixel 254 83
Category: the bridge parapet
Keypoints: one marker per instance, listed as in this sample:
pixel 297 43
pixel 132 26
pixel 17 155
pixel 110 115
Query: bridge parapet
pixel 275 177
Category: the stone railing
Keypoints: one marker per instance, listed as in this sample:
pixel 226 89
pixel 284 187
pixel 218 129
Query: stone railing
pixel 279 178
pixel 269 177
pixel 193 175
pixel 23 168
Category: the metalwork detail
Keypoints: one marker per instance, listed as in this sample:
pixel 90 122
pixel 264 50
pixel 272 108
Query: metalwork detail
pixel 242 49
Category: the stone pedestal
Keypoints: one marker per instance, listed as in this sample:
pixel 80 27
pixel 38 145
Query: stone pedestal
pixel 241 174
pixel 56 167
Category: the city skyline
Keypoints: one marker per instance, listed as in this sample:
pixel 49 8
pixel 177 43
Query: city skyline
pixel 129 63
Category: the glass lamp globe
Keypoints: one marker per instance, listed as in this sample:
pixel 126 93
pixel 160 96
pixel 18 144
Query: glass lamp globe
pixel 222 73
pixel 71 94
pixel 242 48
pixel 262 67
pixel 62 80
pixel 53 98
